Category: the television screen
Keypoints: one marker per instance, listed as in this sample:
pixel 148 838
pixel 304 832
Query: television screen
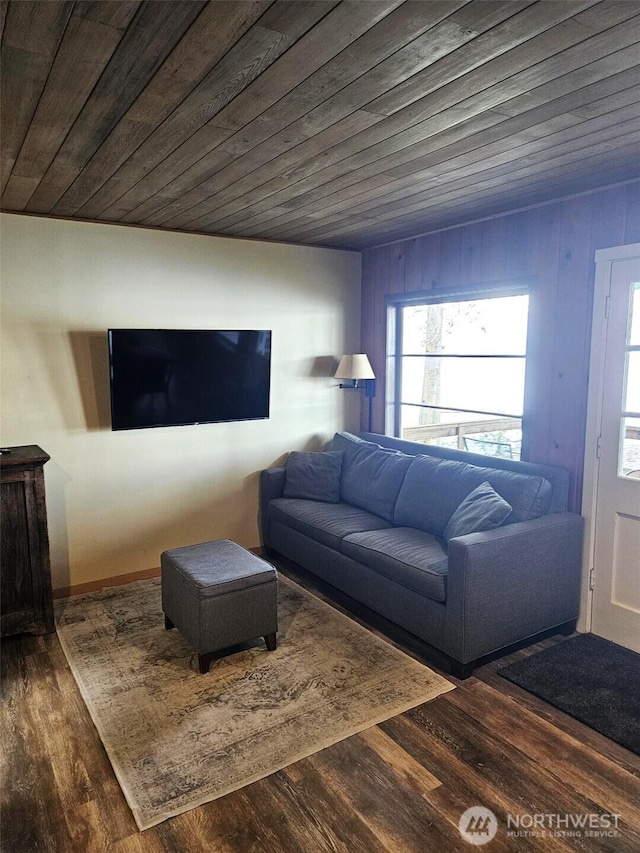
pixel 173 377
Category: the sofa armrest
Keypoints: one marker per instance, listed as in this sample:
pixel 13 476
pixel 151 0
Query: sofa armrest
pixel 271 486
pixel 512 582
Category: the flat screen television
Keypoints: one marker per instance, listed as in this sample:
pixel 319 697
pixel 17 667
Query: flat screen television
pixel 175 377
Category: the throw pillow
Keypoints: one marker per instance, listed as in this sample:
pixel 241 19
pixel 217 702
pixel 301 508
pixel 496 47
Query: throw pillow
pixel 482 509
pixel 314 476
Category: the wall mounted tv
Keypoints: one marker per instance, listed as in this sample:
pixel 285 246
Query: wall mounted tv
pixel 174 377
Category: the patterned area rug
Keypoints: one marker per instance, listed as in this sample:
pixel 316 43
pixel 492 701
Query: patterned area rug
pixel 177 739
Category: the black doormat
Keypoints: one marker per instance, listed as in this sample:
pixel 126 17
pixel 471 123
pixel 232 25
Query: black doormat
pixel 592 679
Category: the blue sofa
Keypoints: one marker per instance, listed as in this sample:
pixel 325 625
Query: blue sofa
pixel 385 521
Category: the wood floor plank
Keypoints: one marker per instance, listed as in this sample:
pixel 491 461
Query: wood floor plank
pixel 529 782
pixel 396 788
pixel 304 814
pixel 387 802
pixel 613 788
pixel 401 763
pixel 469 774
pixel 32 811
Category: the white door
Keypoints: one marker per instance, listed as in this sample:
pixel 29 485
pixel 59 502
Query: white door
pixel 614 502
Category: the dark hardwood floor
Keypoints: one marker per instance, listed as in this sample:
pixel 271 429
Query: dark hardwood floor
pixel 400 786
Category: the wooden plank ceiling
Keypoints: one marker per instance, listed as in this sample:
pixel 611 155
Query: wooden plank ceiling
pixel 331 123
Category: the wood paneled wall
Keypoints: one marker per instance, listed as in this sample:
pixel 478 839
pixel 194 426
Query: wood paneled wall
pixel 552 244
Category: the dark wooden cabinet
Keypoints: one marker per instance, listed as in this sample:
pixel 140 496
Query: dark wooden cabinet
pixel 25 590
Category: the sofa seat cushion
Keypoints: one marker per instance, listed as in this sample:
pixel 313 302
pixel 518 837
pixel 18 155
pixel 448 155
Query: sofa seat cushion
pixel 412 558
pixel 328 523
pixel 434 488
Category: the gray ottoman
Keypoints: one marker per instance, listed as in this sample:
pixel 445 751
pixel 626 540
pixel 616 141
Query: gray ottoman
pixel 219 594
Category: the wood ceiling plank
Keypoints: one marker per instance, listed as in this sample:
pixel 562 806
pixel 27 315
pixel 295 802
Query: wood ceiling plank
pixel 4 5
pixel 609 12
pixel 266 211
pixel 361 149
pixel 475 16
pixel 443 37
pixel 81 58
pixel 577 177
pixel 218 26
pixel 349 123
pixel 337 29
pixel 523 171
pixel 411 165
pixel 325 116
pixel 423 51
pixel 564 105
pixel 399 188
pixel 352 124
pixel 263 195
pixel 556 187
pixel 483 159
pixel 336 32
pixel 606 67
pixel 498 46
pixel 429 227
pixel 17 191
pixel 380 156
pixel 111 13
pixel 227 75
pixel 476 190
pixel 448 111
pixel 30 39
pixel 291 115
pixel 517 30
pixel 149 38
pixel 168 148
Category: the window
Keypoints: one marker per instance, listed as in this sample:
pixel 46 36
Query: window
pixel 457 370
pixel 629 457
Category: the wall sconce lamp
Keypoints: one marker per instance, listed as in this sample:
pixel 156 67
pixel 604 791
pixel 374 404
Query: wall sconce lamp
pixel 354 367
pixel 357 368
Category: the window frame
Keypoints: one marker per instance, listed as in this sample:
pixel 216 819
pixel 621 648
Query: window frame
pixel 395 302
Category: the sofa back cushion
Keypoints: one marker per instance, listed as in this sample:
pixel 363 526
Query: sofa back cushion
pixel 313 476
pixel 434 488
pixel 482 509
pixel 371 476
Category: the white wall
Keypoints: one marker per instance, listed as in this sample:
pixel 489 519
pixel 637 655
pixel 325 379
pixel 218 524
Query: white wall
pixel 117 499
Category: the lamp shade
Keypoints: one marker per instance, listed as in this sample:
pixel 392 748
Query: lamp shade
pixel 354 367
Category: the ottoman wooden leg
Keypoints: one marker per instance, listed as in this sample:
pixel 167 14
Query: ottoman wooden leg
pixel 168 624
pixel 270 640
pixel 203 663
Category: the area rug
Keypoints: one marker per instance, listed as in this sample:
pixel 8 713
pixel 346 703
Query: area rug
pixel 592 679
pixel 177 739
